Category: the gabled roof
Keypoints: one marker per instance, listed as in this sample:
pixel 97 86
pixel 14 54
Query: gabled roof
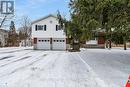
pixel 3 30
pixel 44 18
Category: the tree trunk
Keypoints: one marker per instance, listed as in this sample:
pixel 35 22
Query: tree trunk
pixel 73 43
pixel 25 43
pixel 110 44
pixel 124 40
pixel 107 44
pixel 125 48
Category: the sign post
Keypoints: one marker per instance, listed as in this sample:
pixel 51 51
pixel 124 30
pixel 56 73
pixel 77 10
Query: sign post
pixel 6 11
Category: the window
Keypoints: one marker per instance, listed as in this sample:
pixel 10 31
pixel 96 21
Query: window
pixel 57 27
pixel 40 27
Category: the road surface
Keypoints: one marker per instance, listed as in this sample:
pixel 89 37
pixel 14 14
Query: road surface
pixel 22 67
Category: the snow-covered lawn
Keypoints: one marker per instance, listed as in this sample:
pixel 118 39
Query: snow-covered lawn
pixel 24 67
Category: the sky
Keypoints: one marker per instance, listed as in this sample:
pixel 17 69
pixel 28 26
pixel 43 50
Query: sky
pixel 36 9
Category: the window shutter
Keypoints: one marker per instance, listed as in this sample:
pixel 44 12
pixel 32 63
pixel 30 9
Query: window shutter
pixel 45 27
pixel 56 27
pixel 36 27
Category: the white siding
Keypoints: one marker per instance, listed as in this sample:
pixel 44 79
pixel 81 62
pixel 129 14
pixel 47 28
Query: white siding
pixel 50 31
pixel 50 35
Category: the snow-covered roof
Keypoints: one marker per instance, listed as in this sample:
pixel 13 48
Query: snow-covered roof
pixel 50 15
pixel 3 30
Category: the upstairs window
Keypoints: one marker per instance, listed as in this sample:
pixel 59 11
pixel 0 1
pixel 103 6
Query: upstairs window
pixel 40 27
pixel 57 27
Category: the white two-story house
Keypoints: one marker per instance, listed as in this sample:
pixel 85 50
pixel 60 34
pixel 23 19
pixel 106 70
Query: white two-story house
pixel 47 35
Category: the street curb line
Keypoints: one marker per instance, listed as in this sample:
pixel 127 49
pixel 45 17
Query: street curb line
pixel 100 82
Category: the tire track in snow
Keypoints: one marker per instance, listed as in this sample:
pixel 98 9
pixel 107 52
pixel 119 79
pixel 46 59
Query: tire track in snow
pixel 7 57
pixel 39 59
pixel 39 67
pixel 83 74
pixel 36 59
pixel 64 70
pixel 21 58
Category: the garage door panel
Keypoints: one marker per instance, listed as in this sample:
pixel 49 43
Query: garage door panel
pixel 59 44
pixel 43 44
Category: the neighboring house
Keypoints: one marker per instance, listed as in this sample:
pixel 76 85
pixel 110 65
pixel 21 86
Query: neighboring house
pixel 26 43
pixel 25 40
pixel 3 37
pixel 47 35
pixel 98 40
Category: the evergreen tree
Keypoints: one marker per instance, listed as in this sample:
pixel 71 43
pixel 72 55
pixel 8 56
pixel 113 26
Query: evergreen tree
pixel 12 36
pixel 104 14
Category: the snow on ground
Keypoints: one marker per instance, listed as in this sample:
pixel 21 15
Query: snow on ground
pixel 24 67
pixel 112 66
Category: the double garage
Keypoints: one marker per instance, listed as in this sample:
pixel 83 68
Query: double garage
pixel 50 43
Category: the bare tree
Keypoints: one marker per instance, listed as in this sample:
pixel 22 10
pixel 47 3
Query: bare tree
pixel 2 22
pixel 25 29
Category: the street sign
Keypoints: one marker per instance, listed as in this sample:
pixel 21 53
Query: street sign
pixel 6 11
pixel 7 7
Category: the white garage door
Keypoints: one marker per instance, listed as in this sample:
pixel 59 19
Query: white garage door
pixel 43 44
pixel 58 44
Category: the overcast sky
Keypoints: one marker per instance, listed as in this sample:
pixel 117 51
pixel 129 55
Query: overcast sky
pixel 35 9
